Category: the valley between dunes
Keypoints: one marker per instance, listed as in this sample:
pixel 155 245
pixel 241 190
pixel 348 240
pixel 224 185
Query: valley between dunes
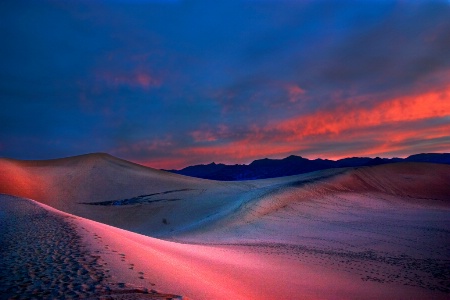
pixel 380 232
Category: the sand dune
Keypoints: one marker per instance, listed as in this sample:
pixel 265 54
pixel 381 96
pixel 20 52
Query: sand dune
pixel 372 232
pixel 120 264
pixel 66 183
pixel 158 202
pixel 43 257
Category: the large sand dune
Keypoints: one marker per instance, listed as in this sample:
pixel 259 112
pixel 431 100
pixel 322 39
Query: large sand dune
pixel 68 184
pixel 116 192
pixel 371 232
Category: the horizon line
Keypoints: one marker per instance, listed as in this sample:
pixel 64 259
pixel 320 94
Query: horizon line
pixel 213 162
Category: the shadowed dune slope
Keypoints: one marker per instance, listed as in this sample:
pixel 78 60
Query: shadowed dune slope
pixel 418 180
pixel 120 193
pixel 399 185
pixel 428 182
pixel 352 207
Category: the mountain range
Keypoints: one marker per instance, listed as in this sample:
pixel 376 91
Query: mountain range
pixel 294 165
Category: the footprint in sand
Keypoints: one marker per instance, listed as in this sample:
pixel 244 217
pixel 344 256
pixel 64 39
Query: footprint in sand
pixel 43 258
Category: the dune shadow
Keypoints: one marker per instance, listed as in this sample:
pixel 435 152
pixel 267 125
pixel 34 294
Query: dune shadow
pixel 142 199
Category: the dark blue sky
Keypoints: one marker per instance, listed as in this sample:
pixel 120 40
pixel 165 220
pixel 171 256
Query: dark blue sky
pixel 173 83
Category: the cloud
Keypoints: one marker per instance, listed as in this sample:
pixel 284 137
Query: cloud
pixel 294 92
pixel 209 135
pixel 392 126
pixel 136 79
pixel 195 81
pixel 346 118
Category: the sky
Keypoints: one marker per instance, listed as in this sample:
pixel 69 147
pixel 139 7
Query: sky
pixel 173 83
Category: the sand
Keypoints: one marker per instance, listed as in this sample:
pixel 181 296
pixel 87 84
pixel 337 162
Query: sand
pixel 43 257
pixel 378 232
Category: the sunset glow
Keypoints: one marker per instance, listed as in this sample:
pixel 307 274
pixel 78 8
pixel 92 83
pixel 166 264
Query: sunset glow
pixel 173 83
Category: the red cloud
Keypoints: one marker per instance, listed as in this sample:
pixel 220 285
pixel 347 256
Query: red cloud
pixel 209 135
pixel 166 163
pixel 236 151
pixel 385 128
pixel 391 127
pixel 294 92
pixel 203 136
pixel 336 122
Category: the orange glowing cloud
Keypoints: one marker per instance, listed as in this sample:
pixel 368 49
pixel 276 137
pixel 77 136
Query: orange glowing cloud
pixel 394 141
pixel 389 128
pixel 239 151
pixel 405 109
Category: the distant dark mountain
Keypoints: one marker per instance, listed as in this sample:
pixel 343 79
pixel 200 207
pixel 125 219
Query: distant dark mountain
pixel 293 165
pixel 440 158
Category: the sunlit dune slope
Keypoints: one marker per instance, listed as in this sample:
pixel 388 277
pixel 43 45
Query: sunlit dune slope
pixel 153 202
pixel 62 183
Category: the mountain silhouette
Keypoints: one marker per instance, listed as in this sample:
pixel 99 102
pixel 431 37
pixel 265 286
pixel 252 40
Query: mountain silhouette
pixel 294 165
